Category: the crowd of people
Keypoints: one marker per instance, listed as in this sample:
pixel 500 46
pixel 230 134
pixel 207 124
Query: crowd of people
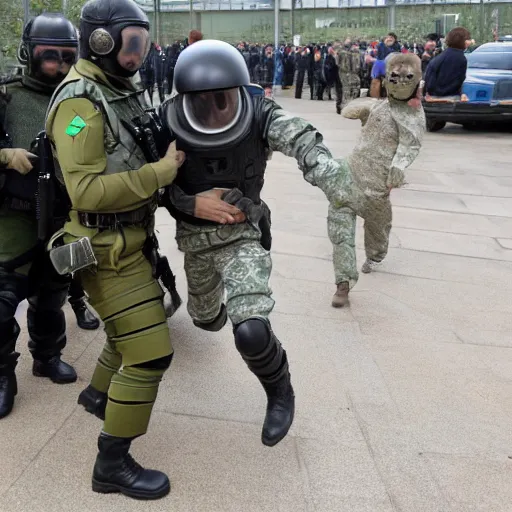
pixel 339 69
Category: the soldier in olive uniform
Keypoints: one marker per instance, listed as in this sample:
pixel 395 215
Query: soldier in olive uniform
pixel 104 140
pixel 48 49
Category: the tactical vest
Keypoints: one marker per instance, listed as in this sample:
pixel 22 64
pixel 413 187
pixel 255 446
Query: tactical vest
pixel 242 166
pixel 24 119
pixel 122 150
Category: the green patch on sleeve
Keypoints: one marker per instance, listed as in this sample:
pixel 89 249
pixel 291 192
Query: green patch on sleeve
pixel 76 126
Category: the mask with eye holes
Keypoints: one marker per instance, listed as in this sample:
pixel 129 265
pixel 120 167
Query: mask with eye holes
pixel 403 76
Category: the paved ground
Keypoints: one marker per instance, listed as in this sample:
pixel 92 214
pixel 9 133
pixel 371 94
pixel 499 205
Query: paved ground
pixel 404 402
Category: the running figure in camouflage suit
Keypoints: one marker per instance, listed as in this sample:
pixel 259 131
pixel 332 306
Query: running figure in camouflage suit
pixel 390 141
pixel 227 129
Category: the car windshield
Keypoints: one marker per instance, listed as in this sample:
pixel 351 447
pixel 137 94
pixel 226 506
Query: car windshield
pixel 488 60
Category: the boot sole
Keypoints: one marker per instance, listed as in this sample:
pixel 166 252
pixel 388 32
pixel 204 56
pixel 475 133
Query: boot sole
pixel 109 488
pixel 273 442
pixel 36 373
pixel 89 327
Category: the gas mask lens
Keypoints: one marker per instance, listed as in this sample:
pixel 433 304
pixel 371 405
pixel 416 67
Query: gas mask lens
pixel 212 111
pixel 134 48
pixel 50 64
pixel 67 56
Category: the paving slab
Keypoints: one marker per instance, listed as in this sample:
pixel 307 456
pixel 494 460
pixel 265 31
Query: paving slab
pixel 403 399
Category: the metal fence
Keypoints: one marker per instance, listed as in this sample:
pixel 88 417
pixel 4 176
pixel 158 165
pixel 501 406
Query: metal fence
pixel 313 20
pixel 255 5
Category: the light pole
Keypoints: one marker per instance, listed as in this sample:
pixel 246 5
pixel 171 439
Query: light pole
pixel 26 8
pixel 276 41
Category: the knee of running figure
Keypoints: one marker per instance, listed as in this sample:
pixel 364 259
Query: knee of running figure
pixel 252 336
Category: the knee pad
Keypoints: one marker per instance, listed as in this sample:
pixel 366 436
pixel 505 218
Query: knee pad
pixel 252 336
pixel 162 363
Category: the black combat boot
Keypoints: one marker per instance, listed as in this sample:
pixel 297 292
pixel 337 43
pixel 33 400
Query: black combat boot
pixel 94 401
pixel 266 358
pixel 85 318
pixel 55 369
pixel 117 471
pixel 8 383
pixel 280 408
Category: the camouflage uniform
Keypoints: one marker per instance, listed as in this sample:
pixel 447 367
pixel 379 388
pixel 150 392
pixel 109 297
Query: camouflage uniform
pixel 390 141
pixel 228 266
pixel 348 62
pixel 225 257
pixel 231 258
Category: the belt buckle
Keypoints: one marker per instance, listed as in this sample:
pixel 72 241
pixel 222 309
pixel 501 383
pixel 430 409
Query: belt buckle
pixel 108 221
pixel 87 220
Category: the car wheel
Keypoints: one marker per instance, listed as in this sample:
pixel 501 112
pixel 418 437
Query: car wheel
pixel 435 126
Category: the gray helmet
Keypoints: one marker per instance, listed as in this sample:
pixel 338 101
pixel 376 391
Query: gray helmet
pixel 210 65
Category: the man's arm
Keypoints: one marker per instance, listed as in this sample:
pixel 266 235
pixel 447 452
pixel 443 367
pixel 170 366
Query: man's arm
pixel 296 137
pixel 359 108
pixel 410 134
pixel 83 159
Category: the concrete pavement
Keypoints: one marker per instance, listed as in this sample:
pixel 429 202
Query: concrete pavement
pixel 404 401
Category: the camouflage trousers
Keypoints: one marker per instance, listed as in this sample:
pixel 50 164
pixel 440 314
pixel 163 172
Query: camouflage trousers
pixel 225 263
pixel 341 226
pixel 351 88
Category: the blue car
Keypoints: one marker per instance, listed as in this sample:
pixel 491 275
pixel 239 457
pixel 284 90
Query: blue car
pixel 486 92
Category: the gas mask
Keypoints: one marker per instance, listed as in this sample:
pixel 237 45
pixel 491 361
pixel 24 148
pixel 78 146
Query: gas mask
pixel 403 75
pixel 51 64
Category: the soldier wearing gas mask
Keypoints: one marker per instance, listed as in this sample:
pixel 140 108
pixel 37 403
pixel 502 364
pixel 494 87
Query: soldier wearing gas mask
pixel 48 49
pixel 227 128
pixel 114 159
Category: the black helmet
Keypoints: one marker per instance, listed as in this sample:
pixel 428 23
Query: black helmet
pixel 101 24
pixel 49 29
pixel 209 65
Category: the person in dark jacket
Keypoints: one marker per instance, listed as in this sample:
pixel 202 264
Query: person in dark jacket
pixel 302 63
pixel 289 67
pixel 446 73
pixel 318 74
pixel 331 73
pixel 264 72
